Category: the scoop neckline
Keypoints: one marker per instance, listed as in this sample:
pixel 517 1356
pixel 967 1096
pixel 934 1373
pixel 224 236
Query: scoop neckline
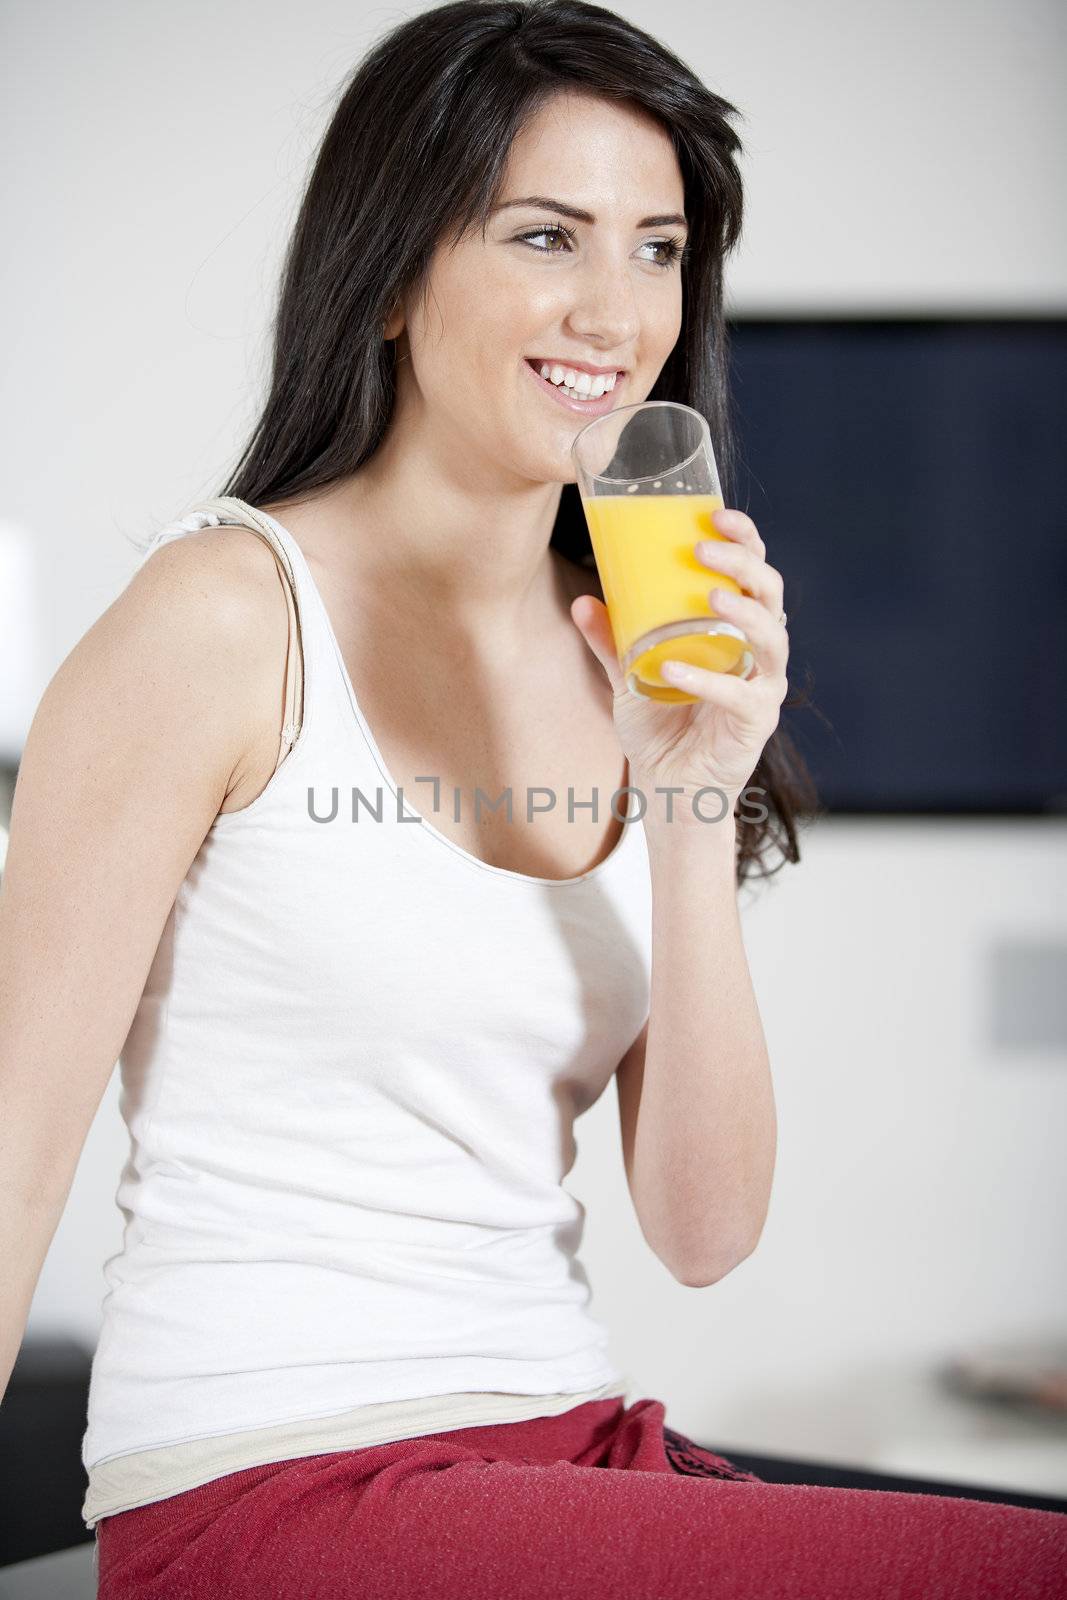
pixel 629 825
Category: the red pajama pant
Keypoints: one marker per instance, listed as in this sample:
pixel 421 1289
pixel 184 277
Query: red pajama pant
pixel 602 1500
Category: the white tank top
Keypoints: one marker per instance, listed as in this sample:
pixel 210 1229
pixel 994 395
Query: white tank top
pixel 350 1087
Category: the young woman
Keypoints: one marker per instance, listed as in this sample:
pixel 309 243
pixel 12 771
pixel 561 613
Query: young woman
pixel 346 1344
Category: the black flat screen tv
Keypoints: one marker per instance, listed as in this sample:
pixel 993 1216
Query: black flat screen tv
pixel 909 477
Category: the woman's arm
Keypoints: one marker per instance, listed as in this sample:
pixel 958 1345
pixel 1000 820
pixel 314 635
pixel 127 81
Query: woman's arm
pixel 130 754
pixel 696 1103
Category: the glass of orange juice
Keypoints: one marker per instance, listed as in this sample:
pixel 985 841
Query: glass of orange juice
pixel 649 484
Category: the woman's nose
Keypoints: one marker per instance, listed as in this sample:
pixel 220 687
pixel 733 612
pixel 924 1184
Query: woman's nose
pixel 605 312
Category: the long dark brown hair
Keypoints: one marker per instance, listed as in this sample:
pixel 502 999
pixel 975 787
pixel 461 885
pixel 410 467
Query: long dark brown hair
pixel 415 155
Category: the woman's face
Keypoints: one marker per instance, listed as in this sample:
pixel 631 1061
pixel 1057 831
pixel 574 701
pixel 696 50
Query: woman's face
pixel 607 295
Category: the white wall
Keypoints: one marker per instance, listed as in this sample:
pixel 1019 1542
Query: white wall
pixel 900 157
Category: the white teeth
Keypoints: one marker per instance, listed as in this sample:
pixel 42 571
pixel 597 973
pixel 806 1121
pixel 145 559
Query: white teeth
pixel 581 382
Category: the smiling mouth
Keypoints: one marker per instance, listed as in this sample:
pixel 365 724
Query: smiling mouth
pixel 544 360
pixel 536 364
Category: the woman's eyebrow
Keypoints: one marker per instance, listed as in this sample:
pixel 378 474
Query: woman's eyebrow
pixel 586 216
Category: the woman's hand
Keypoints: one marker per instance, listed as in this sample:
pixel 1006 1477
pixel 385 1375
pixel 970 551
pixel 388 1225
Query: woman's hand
pixel 718 740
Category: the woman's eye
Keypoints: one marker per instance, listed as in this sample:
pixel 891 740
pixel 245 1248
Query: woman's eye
pixel 671 249
pixel 545 233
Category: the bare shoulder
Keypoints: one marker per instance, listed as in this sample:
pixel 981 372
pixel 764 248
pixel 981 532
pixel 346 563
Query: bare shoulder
pixel 223 586
pixel 197 606
pixel 179 682
pixel 227 570
pixel 225 581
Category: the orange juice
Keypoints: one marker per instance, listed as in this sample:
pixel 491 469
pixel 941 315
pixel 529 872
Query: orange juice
pixel 643 544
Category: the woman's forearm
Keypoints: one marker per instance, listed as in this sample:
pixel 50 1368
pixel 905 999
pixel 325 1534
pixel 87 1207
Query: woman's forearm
pixel 706 1129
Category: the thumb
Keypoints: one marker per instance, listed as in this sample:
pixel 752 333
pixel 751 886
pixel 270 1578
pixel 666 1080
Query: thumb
pixel 590 617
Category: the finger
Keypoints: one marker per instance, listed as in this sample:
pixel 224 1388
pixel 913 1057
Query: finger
pixel 766 636
pixel 741 563
pixel 737 525
pixel 718 688
pixel 590 617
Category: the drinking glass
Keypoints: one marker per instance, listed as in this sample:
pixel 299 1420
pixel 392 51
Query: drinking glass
pixel 649 484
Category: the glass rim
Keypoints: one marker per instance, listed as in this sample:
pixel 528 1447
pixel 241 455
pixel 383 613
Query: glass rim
pixel 649 477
